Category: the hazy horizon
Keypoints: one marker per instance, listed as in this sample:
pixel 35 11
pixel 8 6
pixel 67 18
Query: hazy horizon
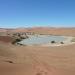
pixel 38 26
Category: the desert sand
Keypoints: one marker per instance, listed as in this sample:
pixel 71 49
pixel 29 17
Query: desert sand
pixel 37 60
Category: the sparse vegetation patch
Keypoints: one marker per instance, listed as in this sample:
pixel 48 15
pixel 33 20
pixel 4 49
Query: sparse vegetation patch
pixel 73 40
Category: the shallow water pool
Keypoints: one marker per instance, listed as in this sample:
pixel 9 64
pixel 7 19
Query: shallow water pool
pixel 41 39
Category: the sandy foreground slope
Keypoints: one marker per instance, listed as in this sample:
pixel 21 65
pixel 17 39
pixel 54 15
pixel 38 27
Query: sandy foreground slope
pixel 30 60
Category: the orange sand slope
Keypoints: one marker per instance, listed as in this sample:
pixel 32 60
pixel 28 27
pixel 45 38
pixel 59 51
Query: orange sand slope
pixel 6 39
pixel 8 69
pixel 37 60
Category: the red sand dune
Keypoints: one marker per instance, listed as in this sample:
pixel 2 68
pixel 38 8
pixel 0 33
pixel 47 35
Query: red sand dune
pixel 6 39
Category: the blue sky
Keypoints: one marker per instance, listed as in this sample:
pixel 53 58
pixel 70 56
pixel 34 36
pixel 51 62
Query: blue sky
pixel 27 13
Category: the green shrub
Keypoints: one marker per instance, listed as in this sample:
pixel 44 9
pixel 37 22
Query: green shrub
pixel 62 42
pixel 15 41
pixel 53 42
pixel 73 40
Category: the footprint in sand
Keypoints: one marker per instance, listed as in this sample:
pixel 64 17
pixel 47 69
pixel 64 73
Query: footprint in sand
pixel 42 73
pixel 9 61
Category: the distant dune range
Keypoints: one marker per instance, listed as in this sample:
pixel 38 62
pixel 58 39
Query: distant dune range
pixel 43 30
pixel 35 60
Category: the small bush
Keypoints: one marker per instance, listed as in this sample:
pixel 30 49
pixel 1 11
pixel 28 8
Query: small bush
pixel 19 44
pixel 73 40
pixel 15 41
pixel 62 42
pixel 53 42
